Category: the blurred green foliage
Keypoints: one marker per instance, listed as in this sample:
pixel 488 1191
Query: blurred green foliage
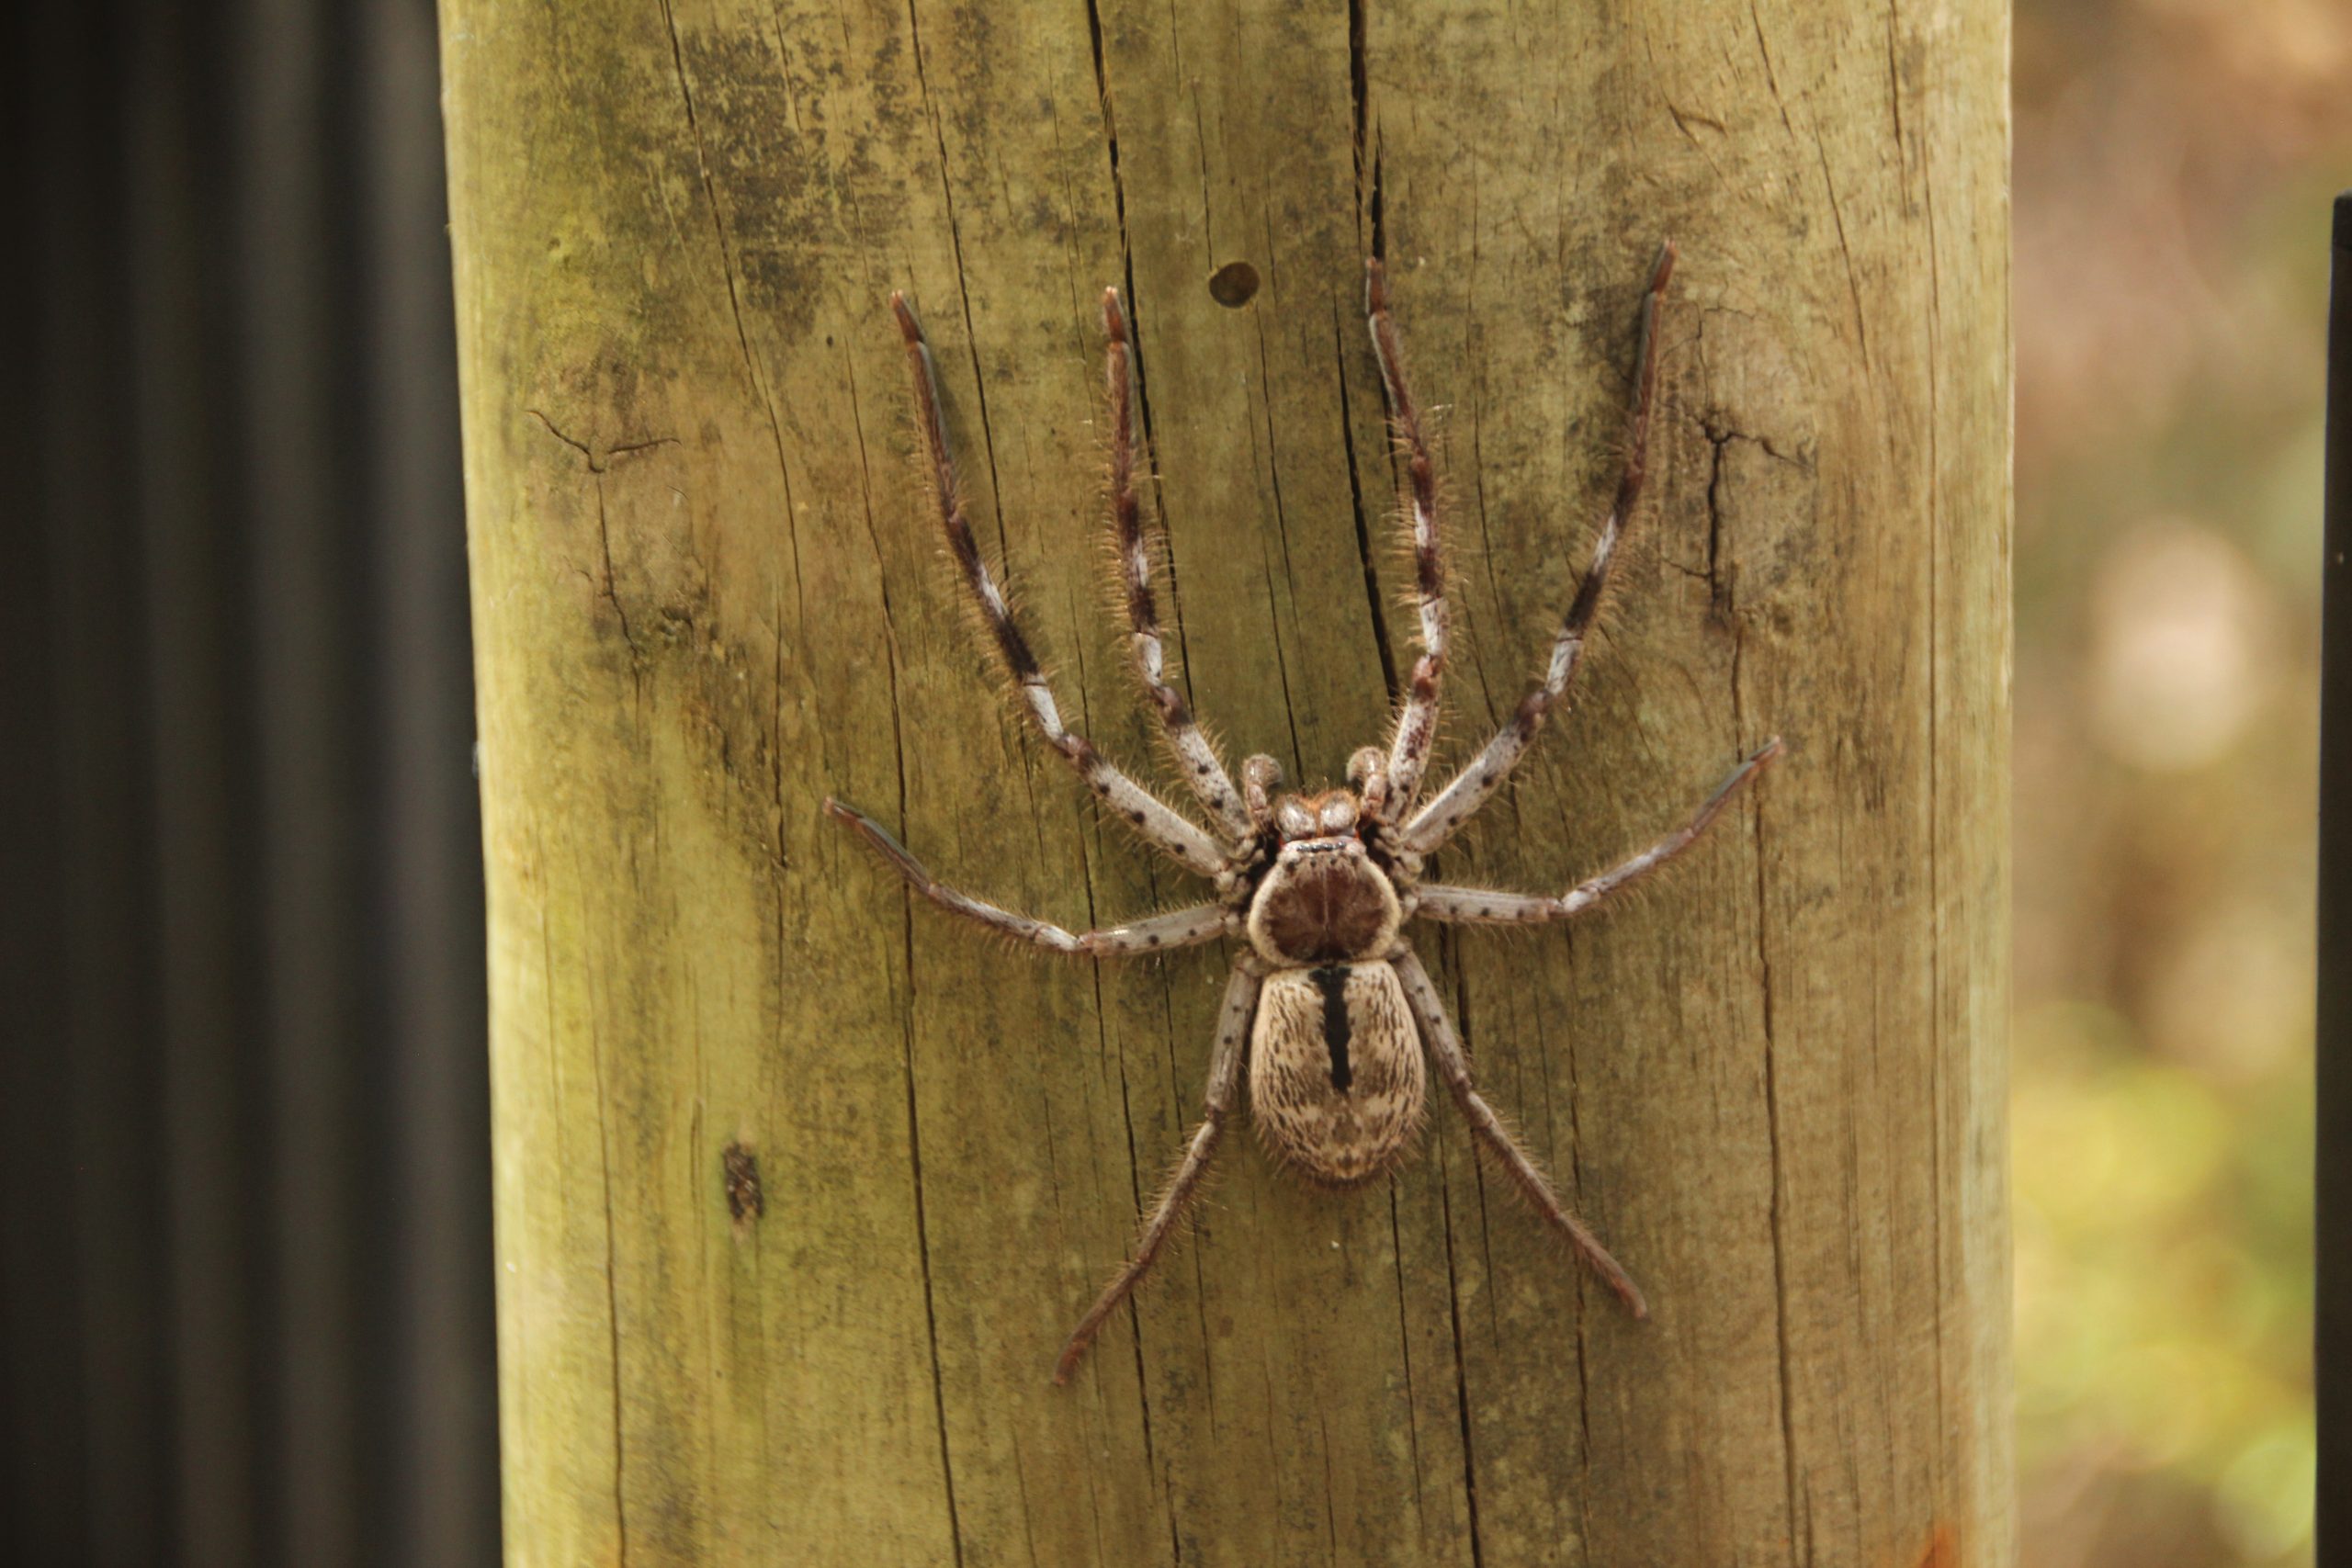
pixel 2174 164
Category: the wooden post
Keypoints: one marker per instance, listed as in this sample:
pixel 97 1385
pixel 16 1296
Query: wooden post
pixel 798 1190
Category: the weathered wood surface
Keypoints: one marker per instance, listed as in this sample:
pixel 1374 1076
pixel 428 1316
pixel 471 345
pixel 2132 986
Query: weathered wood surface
pixel 707 593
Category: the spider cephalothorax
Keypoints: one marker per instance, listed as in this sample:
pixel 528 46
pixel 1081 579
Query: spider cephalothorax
pixel 1326 897
pixel 1327 1004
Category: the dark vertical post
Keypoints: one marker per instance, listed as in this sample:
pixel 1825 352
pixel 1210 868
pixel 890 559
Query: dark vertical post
pixel 245 1302
pixel 441 1458
pixel 2332 1373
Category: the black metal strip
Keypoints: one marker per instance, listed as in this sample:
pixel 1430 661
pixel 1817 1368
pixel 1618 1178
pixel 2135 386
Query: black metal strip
pixel 2331 1366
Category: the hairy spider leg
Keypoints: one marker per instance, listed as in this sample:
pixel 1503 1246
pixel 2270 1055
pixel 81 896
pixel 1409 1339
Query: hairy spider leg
pixel 1416 718
pixel 1196 755
pixel 1225 1080
pixel 1481 906
pixel 1453 1065
pixel 1158 823
pixel 1153 933
pixel 1469 789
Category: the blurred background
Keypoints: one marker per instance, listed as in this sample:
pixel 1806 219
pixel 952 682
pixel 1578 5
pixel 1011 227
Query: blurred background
pixel 2175 165
pixel 244 1248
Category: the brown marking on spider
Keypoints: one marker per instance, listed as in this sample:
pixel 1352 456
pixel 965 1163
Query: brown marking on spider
pixel 1327 1004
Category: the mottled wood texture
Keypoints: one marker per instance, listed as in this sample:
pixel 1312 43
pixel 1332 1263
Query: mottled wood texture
pixel 708 593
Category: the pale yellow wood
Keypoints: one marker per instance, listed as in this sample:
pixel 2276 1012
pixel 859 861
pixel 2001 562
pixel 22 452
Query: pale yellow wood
pixel 707 593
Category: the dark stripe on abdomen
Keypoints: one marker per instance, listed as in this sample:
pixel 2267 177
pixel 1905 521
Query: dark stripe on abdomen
pixel 1332 981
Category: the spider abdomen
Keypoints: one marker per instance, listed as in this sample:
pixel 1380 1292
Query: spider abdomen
pixel 1337 1078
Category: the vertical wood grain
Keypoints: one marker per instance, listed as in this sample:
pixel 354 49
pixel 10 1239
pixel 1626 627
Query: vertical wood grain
pixel 707 595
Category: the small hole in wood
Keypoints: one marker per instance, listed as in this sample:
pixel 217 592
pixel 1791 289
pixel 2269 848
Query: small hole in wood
pixel 1234 284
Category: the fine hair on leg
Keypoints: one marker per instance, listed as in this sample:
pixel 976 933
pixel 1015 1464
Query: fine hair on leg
pixel 1453 1065
pixel 1196 756
pixel 1468 790
pixel 1417 715
pixel 1152 819
pixel 1153 933
pixel 1484 906
pixel 1176 1198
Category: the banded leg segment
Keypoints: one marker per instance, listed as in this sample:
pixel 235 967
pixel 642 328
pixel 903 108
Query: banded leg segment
pixel 1480 906
pixel 1409 753
pixel 1176 1199
pixel 1469 789
pixel 1453 1065
pixel 1154 933
pixel 1196 756
pixel 1159 825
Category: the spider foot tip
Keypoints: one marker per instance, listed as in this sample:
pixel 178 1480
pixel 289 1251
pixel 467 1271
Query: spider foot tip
pixel 906 315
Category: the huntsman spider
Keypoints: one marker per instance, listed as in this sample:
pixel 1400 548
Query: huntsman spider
pixel 1327 1010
